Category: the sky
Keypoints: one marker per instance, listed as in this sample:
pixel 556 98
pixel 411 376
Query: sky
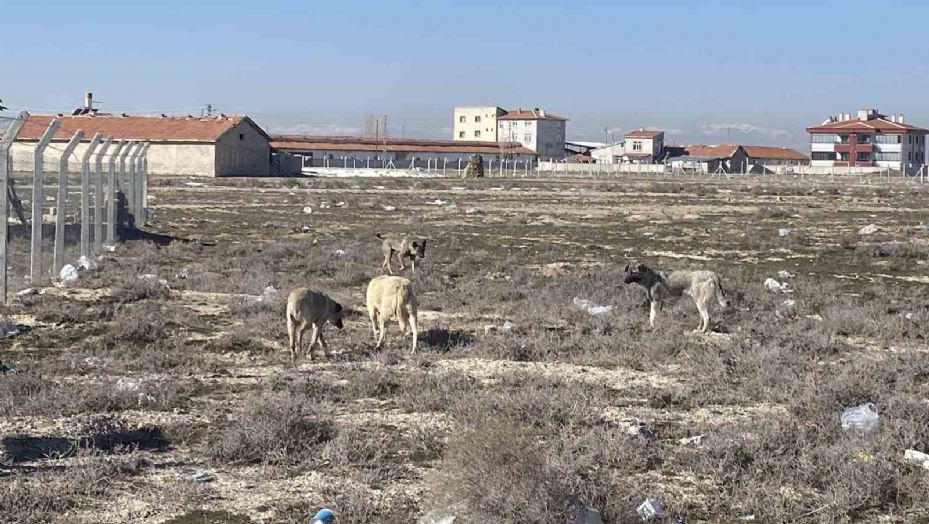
pixel 705 71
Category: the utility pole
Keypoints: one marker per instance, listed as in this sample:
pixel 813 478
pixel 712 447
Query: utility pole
pixel 606 135
pixel 385 137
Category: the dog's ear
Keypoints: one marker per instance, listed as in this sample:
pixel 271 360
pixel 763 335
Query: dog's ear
pixel 627 269
pixel 415 244
pixel 642 267
pixel 338 307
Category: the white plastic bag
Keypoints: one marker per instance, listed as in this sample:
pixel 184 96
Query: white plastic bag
pixel 68 274
pixel 861 418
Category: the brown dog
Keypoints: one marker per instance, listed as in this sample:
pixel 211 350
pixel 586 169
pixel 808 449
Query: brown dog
pixel 305 309
pixel 404 246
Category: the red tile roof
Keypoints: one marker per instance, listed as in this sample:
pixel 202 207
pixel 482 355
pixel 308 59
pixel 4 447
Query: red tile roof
pixel 404 145
pixel 643 133
pixel 868 126
pixel 775 153
pixel 721 151
pixel 580 158
pixel 530 114
pixel 147 128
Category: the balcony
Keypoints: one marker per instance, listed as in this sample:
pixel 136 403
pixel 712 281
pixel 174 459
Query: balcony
pixel 860 148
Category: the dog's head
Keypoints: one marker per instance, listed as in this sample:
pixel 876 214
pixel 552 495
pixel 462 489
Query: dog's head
pixel 335 318
pixel 418 248
pixel 635 274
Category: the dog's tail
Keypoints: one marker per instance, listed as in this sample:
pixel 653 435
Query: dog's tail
pixel 721 294
pixel 378 235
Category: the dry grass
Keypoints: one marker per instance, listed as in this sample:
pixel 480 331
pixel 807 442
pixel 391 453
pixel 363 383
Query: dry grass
pixel 493 425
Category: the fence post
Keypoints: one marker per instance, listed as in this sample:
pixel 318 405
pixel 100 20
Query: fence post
pixel 120 185
pixel 5 168
pixel 38 199
pixel 85 195
pixel 121 147
pixel 142 192
pixel 98 194
pixel 128 182
pixel 61 202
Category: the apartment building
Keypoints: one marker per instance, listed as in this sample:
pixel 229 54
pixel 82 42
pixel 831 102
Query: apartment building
pixel 871 140
pixel 535 129
pixel 476 123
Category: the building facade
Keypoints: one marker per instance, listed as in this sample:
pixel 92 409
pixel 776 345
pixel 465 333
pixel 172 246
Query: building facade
pixel 476 123
pixel 643 146
pixel 535 129
pixel 179 146
pixel 871 140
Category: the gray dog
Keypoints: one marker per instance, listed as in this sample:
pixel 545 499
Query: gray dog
pixel 702 286
pixel 404 246
pixel 306 309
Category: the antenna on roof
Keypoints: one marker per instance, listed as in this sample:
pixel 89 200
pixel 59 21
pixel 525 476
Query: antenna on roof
pixel 207 111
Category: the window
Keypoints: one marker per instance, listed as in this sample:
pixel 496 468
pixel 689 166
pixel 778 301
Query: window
pixel 461 134
pixel 819 155
pixel 886 139
pixel 241 136
pixel 477 118
pixel 843 139
pixel 477 134
pixel 863 157
pixel 887 157
pixel 637 145
pixel 461 119
pixel 825 139
pixel 864 139
pixel 527 137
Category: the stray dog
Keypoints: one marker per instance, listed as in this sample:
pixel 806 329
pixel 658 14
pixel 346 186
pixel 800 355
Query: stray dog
pixel 307 308
pixel 702 286
pixel 387 297
pixel 404 246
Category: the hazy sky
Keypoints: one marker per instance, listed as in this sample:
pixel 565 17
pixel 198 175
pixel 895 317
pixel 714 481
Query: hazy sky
pixel 705 71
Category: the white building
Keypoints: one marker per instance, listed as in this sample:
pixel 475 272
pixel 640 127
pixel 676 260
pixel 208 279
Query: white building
pixel 871 140
pixel 643 146
pixel 476 123
pixel 535 129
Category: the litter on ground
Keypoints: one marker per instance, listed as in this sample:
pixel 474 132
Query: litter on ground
pixel 68 274
pixel 869 229
pixel 861 418
pixel 592 308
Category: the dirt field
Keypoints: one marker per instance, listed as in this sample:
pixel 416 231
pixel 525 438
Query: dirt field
pixel 121 388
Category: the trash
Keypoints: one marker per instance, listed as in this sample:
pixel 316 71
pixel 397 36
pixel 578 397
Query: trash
pixel 270 292
pixel 85 262
pixel 307 210
pixel 815 317
pixel 916 457
pixel 305 229
pixel 439 202
pixel 593 309
pixel 8 328
pixel 583 514
pixel 507 327
pixel 68 274
pixel 109 248
pixel 93 362
pixel 389 208
pixel 154 278
pixel 184 274
pixel 451 207
pixel 200 477
pixel 193 184
pixel 925 227
pixel 128 384
pixel 785 274
pixel 323 516
pixel 695 440
pixel 339 252
pixel 339 204
pixel 639 428
pixel 651 509
pixel 4 369
pixel 869 229
pixel 324 205
pixel 750 516
pixel 789 303
pixel 775 286
pixel 861 418
pixel 783 232
pixel 471 210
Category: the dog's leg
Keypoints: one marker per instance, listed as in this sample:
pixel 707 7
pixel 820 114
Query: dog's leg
pixel 653 312
pixel 704 317
pixel 291 328
pixel 314 335
pixel 413 264
pixel 402 265
pixel 299 345
pixel 323 344
pixel 412 320
pixel 387 262
pixel 383 333
pixel 373 316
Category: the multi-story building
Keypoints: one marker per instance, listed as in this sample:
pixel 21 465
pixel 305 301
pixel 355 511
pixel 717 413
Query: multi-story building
pixel 535 129
pixel 643 146
pixel 871 140
pixel 476 123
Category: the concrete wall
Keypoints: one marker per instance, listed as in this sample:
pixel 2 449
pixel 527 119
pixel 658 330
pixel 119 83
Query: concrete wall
pixel 611 154
pixel 487 126
pixel 242 151
pixel 163 159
